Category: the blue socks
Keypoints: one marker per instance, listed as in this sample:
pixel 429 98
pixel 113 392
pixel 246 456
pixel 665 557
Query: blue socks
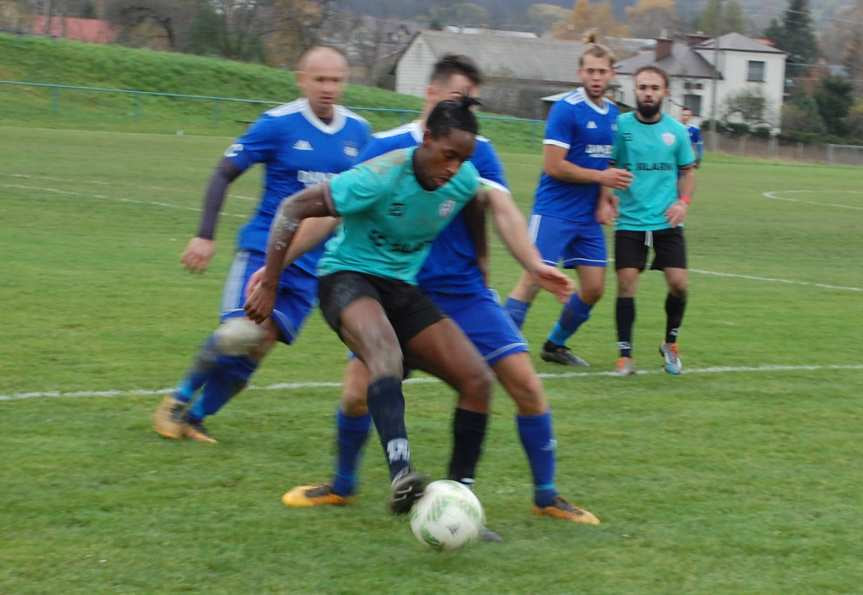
pixel 387 407
pixel 517 311
pixel 229 376
pixel 574 314
pixel 537 438
pixel 197 374
pixel 352 435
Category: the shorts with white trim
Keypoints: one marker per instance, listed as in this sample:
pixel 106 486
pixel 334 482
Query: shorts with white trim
pixel 575 244
pixel 484 321
pixel 631 249
pixel 295 297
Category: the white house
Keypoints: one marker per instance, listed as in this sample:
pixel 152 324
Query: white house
pixel 518 70
pixel 740 66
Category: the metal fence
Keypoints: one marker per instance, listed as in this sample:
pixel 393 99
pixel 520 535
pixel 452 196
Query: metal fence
pixel 153 111
pixel 775 148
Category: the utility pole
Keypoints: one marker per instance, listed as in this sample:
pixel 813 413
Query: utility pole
pixel 714 132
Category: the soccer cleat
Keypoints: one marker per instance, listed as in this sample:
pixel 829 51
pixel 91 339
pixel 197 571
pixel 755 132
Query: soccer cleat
pixel 561 354
pixel 625 366
pixel 671 357
pixel 168 418
pixel 487 535
pixel 314 495
pixel 563 510
pixel 407 488
pixel 195 430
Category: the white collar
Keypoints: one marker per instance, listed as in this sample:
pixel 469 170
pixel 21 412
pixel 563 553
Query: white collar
pixel 333 127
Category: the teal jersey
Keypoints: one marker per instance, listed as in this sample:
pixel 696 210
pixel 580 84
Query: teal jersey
pixel 388 219
pixel 654 153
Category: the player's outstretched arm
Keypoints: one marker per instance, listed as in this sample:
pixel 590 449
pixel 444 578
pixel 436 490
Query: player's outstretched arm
pixel 556 165
pixel 200 249
pixel 474 215
pixel 512 228
pixel 311 202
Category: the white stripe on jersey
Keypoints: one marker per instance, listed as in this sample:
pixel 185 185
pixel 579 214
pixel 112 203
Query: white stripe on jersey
pixel 578 96
pixel 412 128
pixel 556 143
pixel 349 114
pixel 533 228
pixel 495 185
pixel 285 109
pixel 232 298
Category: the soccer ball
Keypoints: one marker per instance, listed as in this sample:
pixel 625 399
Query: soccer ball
pixel 447 516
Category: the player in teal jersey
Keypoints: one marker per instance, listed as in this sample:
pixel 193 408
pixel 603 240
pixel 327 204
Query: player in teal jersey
pixel 656 149
pixel 392 208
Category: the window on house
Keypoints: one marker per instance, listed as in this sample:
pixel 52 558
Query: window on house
pixel 693 102
pixel 756 71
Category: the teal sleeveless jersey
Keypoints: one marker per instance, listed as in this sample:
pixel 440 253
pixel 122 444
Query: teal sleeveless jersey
pixel 388 219
pixel 654 153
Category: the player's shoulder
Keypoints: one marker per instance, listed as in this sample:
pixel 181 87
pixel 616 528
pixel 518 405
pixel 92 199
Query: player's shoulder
pixel 411 129
pixel 626 119
pixel 285 110
pixel 674 125
pixel 352 117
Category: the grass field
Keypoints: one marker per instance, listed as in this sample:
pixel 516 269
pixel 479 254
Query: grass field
pixel 741 476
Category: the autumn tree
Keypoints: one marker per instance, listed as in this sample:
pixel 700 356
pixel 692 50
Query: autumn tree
pixel 650 18
pixel 586 15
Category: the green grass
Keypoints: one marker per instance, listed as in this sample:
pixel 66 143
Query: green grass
pixel 91 65
pixel 723 482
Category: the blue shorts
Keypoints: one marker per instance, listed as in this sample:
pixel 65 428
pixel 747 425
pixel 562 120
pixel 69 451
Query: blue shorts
pixel 484 321
pixel 295 298
pixel 576 244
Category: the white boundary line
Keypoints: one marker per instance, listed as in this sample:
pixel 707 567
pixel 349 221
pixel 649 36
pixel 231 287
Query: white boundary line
pixel 773 196
pixel 774 280
pixel 166 205
pixel 291 386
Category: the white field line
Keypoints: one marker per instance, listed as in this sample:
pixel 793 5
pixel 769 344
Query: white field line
pixel 166 205
pixel 774 280
pixel 773 196
pixel 294 386
pixel 195 209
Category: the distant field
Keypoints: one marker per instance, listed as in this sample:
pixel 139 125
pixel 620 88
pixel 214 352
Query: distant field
pixel 741 476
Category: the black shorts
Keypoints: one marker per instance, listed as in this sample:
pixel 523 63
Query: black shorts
pixel 631 249
pixel 407 308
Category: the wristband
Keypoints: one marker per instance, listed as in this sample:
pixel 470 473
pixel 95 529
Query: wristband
pixel 685 199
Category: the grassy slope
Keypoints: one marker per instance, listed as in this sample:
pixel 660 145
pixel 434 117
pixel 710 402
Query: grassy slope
pixel 80 64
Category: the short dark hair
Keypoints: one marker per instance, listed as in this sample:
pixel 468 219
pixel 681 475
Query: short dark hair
pixel 654 69
pixel 687 109
pixel 453 114
pixel 452 64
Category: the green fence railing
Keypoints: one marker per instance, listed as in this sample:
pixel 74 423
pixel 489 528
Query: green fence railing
pixel 103 108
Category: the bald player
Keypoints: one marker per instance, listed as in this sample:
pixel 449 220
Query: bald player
pixel 300 144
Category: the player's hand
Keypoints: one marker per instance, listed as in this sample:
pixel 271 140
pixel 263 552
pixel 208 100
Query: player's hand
pixel 616 178
pixel 606 212
pixel 259 304
pixel 676 213
pixel 553 281
pixel 254 281
pixel 198 254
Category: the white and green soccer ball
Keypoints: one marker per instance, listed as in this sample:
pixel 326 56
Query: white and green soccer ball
pixel 447 516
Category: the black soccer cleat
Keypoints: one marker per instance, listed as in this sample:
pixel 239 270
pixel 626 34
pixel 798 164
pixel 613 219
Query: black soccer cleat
pixel 407 488
pixel 561 354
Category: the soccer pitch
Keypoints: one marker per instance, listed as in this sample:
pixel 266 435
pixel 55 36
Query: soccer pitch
pixel 743 475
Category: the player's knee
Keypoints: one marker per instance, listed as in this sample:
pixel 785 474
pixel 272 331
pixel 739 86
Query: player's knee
pixel 591 295
pixel 476 386
pixel 242 337
pixel 529 397
pixel 383 356
pixel 679 288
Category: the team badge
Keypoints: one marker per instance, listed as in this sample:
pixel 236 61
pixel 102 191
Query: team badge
pixel 351 151
pixel 446 208
pixel 668 138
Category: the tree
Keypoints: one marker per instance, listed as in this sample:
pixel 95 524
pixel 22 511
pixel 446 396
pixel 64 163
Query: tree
pixel 834 98
pixel 542 17
pixel 796 37
pixel 651 18
pixel 801 115
pixel 749 105
pixel 720 18
pixel 586 16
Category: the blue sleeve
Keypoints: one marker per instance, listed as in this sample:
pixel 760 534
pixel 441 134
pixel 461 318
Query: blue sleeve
pixel 560 129
pixel 488 164
pixel 356 190
pixel 257 145
pixel 374 148
pixel 696 135
pixel 685 156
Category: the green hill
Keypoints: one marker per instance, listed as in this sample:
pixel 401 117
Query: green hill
pixel 71 63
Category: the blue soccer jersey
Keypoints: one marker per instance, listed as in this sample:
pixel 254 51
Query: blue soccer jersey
pixel 451 266
pixel 695 139
pixel 298 150
pixel 586 131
